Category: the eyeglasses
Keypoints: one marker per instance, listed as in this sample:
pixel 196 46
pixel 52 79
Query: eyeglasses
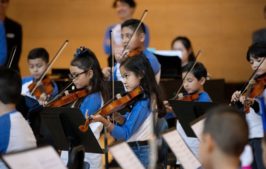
pixel 74 76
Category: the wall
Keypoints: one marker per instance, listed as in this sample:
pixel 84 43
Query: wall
pixel 220 28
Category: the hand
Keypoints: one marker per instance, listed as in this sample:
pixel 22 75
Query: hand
pixel 99 118
pixel 236 96
pixel 167 106
pixel 43 99
pixel 106 72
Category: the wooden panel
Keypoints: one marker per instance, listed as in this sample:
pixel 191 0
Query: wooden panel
pixel 221 28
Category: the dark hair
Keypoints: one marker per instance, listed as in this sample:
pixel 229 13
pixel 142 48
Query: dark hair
pixel 133 24
pixel 10 86
pixel 86 60
pixel 229 129
pixel 131 3
pixel 256 50
pixel 187 44
pixel 39 53
pixel 140 66
pixel 198 71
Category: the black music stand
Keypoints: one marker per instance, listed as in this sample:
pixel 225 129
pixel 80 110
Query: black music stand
pixel 63 126
pixel 188 112
pixel 170 65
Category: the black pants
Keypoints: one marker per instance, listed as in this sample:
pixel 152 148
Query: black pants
pixel 257 153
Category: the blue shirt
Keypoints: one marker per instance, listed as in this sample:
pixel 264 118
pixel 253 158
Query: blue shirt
pixel 203 97
pixel 92 103
pixel 15 133
pixel 133 120
pixel 107 47
pixel 3 44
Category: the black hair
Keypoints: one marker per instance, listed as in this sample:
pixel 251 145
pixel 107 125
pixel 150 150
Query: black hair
pixel 198 71
pixel 141 67
pixel 86 60
pixel 229 129
pixel 10 86
pixel 131 3
pixel 187 44
pixel 257 50
pixel 133 24
pixel 39 53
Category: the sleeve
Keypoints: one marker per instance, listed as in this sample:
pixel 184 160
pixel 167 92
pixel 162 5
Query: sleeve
pixel 106 41
pixel 4 133
pixel 136 118
pixel 204 97
pixel 3 45
pixel 92 103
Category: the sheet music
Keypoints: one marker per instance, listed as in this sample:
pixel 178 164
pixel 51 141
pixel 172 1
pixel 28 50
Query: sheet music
pixel 125 157
pixel 168 53
pixel 181 150
pixel 198 128
pixel 41 158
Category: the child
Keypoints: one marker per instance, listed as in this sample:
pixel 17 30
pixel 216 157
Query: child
pixel 38 59
pixel 224 137
pixel 184 45
pixel 256 115
pixel 137 126
pixel 15 133
pixel 125 10
pixel 86 73
pixel 136 44
pixel 193 85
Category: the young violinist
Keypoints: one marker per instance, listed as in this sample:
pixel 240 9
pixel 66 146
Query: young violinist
pixel 15 132
pixel 184 45
pixel 193 84
pixel 38 60
pixel 255 115
pixel 87 77
pixel 136 45
pixel 136 126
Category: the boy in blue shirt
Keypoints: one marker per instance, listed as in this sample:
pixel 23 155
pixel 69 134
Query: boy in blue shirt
pixel 15 133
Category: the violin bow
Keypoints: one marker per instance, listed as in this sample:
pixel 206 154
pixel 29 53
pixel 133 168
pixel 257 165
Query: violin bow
pixel 181 86
pixel 14 50
pixel 50 65
pixel 144 14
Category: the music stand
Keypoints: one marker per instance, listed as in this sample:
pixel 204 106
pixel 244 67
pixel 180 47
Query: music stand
pixel 170 63
pixel 63 125
pixel 187 112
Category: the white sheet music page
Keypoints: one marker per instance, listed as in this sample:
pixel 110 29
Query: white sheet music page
pixel 125 157
pixel 181 150
pixel 198 128
pixel 41 158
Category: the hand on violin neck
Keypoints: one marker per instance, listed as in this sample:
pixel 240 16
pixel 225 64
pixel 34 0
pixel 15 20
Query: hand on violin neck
pixel 236 96
pixel 104 121
pixel 167 106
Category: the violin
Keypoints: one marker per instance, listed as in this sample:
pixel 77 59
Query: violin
pixel 67 99
pixel 134 52
pixel 189 97
pixel 45 87
pixel 254 89
pixel 114 106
